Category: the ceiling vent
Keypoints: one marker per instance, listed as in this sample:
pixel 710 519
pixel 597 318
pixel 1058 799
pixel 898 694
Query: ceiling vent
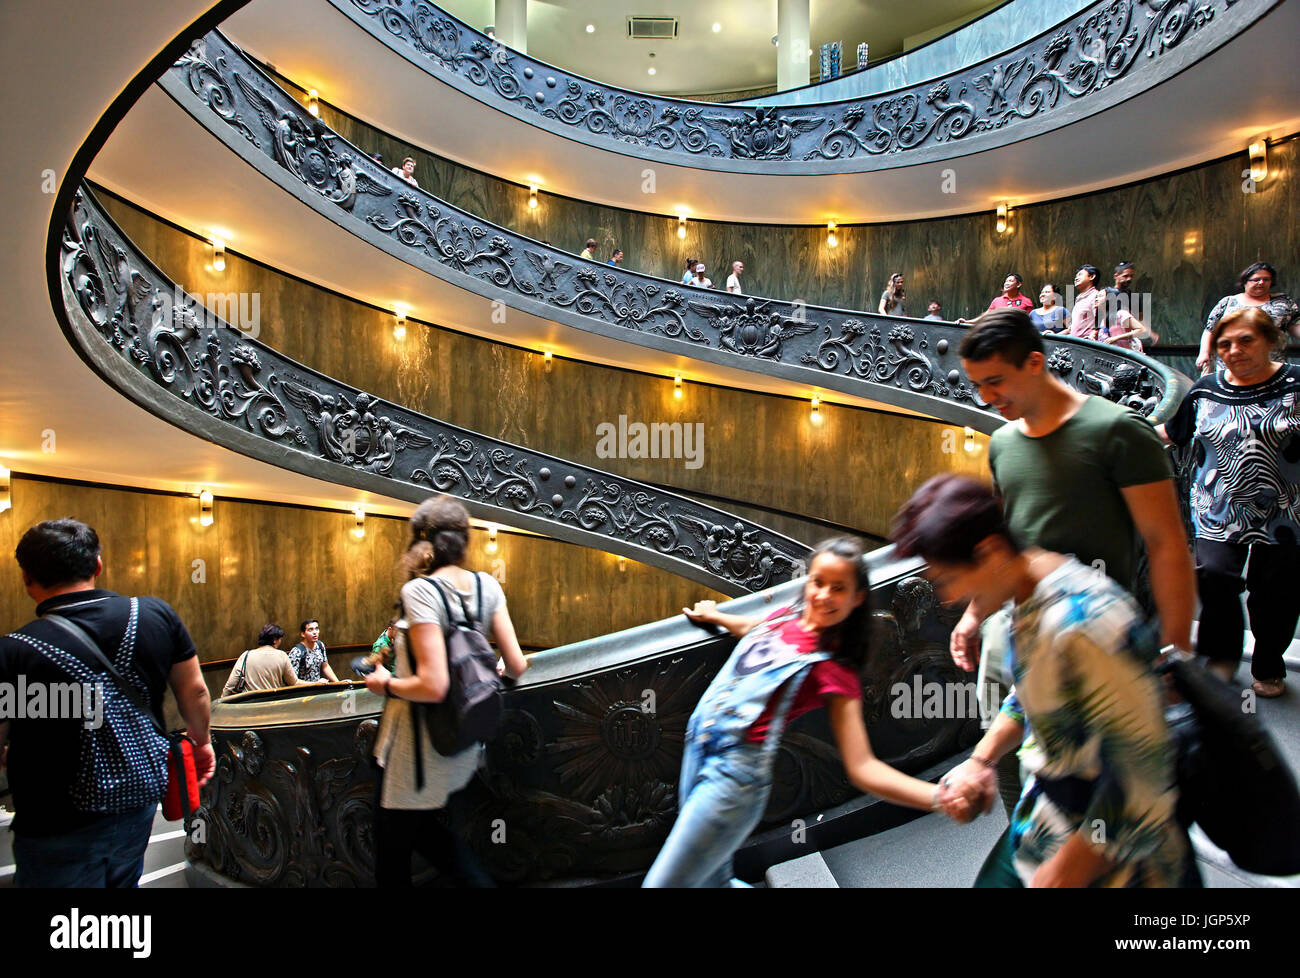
pixel 652 28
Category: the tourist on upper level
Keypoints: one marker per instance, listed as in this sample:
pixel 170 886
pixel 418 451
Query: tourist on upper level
pixel 1256 284
pixel 1125 330
pixel 407 171
pixel 1085 319
pixel 787 663
pixel 1049 317
pixel 1245 495
pixel 733 280
pixel 893 298
pixel 616 258
pixel 1012 296
pixel 266 666
pixel 1077 474
pixel 414 780
pixel 933 310
pixel 589 250
pixel 308 658
pixel 690 271
pixel 699 280
pixel 1098 751
pixel 87 777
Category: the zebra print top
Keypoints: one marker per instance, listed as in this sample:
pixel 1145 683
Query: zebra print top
pixel 1245 486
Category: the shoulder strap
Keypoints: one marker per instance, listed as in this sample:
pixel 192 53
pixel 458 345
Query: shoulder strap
pixel 442 592
pixel 243 667
pixel 478 595
pixel 133 694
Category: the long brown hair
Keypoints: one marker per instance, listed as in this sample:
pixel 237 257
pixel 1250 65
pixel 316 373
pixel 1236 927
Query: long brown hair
pixel 439 536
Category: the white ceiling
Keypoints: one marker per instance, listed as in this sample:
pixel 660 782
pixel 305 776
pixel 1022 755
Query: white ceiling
pixel 738 57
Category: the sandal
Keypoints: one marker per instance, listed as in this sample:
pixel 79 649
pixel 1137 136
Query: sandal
pixel 1268 688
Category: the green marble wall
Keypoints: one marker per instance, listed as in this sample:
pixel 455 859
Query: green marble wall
pixel 853 470
pixel 1189 234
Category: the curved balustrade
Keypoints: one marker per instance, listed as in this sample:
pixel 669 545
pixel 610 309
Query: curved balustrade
pixel 155 344
pixel 1103 55
pixel 905 362
pixel 581 782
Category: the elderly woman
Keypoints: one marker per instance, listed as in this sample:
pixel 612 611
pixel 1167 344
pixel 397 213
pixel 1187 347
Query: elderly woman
pixel 1098 805
pixel 1256 291
pixel 1245 495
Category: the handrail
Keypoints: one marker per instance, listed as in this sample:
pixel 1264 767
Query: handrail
pixel 904 362
pixel 151 340
pixel 1107 53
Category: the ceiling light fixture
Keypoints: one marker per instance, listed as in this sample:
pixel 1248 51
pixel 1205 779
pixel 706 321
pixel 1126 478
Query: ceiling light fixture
pixel 399 326
pixel 816 410
pixel 205 507
pixel 716 28
pixel 681 226
pixel 1003 212
pixel 591 28
pixel 532 197
pixel 832 239
pixel 677 386
pixel 1259 160
pixel 492 540
pixel 218 255
pixel 313 103
pixel 359 521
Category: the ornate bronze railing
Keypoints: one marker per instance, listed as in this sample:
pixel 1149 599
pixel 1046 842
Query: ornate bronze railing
pixel 157 345
pixel 905 362
pixel 1103 55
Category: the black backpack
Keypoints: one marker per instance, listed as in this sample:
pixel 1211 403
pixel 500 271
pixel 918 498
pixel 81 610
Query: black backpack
pixel 1232 780
pixel 471 711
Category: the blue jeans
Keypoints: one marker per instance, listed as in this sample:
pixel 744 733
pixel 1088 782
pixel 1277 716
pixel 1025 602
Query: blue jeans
pixel 109 853
pixel 723 797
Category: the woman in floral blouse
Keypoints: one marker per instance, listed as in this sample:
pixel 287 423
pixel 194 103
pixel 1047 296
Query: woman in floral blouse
pixel 1086 711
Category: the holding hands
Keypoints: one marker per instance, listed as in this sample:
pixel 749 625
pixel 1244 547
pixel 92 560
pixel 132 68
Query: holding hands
pixel 967 791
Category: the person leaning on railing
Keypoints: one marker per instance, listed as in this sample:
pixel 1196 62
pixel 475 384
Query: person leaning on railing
pixel 1256 284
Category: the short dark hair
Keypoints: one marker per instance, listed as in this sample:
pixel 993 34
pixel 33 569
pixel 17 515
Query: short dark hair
pixel 1259 266
pixel 690 263
pixel 617 251
pixel 591 242
pixel 271 633
pixel 1008 333
pixel 1090 269
pixel 1016 276
pixel 1123 265
pixel 305 622
pixel 947 518
pixel 58 552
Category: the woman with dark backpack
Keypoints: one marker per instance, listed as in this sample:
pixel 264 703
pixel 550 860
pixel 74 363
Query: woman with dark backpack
pixel 414 781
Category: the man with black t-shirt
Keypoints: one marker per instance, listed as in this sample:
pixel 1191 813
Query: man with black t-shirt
pixel 72 827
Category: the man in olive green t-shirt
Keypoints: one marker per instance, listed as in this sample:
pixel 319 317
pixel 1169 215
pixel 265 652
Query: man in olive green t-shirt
pixel 1077 475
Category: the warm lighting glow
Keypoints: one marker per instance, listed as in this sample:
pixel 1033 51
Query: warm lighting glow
pixel 532 197
pixel 1191 242
pixel 399 324
pixel 591 28
pixel 6 489
pixel 313 103
pixel 970 441
pixel 716 28
pixel 622 564
pixel 218 255
pixel 359 516
pixel 677 387
pixel 681 226
pixel 832 239
pixel 1259 160
pixel 492 540
pixel 546 359
pixel 650 70
pixel 816 409
pixel 1002 218
pixel 205 508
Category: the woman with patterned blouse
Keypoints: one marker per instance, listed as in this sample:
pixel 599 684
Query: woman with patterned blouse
pixel 1245 495
pixel 1256 283
pixel 1086 711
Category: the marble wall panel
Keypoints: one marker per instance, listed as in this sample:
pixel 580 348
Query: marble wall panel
pixel 266 562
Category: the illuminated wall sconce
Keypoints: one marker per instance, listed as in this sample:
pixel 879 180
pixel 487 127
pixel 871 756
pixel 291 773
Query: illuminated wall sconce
pixel 359 516
pixel 205 507
pixel 399 324
pixel 1003 218
pixel 677 387
pixel 1259 160
pixel 6 489
pixel 492 540
pixel 532 197
pixel 1191 243
pixel 816 410
pixel 313 103
pixel 832 239
pixel 622 564
pixel 681 226
pixel 218 255
pixel 547 360
pixel 971 447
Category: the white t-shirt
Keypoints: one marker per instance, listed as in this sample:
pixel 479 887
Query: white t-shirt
pixel 706 284
pixel 733 284
pixel 402 173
